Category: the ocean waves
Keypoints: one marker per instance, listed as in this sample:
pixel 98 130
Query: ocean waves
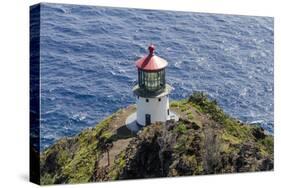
pixel 88 54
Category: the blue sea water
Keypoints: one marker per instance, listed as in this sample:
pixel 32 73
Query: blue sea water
pixel 88 54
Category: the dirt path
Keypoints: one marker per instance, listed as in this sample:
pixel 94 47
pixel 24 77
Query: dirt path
pixel 123 134
pixel 117 147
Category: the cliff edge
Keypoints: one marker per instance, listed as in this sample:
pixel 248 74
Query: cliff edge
pixel 204 141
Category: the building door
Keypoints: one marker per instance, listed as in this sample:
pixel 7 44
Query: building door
pixel 147 119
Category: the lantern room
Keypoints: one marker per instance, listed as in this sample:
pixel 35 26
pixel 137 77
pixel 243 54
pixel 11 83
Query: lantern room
pixel 151 72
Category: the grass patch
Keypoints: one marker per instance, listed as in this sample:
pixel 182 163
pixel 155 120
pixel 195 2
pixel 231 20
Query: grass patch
pixel 181 144
pixel 76 163
pixel 230 138
pixel 119 164
pixel 181 128
pixel 268 144
pixel 181 104
pixel 201 102
pixel 190 116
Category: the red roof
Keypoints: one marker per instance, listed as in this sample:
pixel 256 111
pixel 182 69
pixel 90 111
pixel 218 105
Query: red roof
pixel 151 62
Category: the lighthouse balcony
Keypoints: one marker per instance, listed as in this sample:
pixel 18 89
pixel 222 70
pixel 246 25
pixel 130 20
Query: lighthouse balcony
pixel 142 92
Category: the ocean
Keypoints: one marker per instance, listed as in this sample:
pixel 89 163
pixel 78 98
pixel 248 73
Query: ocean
pixel 88 55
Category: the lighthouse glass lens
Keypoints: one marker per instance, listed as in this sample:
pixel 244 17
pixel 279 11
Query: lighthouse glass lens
pixel 152 81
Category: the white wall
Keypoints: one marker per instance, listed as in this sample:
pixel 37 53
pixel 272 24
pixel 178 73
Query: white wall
pixel 157 109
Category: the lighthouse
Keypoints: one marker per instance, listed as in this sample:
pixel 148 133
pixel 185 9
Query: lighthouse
pixel 152 91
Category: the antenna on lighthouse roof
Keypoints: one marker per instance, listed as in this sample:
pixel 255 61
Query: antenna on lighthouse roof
pixel 151 49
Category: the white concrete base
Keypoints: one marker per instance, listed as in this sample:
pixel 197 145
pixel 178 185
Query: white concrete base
pixel 131 121
pixel 174 116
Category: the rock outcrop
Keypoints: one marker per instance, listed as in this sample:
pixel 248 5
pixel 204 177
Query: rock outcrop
pixel 204 141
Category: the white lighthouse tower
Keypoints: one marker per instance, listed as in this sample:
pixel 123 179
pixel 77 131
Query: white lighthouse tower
pixel 152 92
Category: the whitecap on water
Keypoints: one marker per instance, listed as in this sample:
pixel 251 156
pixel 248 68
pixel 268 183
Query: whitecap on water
pixel 79 116
pixel 256 122
pixel 122 71
pixel 178 64
pixel 112 72
pixel 243 92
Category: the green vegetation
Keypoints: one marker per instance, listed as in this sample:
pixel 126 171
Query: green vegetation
pixel 181 128
pixel 180 104
pixel 267 144
pixel 204 141
pixel 203 104
pixel 77 162
pixel 120 163
pixel 190 116
pixel 210 107
pixel 181 145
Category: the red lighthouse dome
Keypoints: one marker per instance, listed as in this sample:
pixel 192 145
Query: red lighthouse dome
pixel 151 62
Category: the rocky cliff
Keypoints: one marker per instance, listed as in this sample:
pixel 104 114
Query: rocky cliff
pixel 204 141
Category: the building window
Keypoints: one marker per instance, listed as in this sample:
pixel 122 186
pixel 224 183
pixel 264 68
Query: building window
pixel 168 112
pixel 159 99
pixel 147 100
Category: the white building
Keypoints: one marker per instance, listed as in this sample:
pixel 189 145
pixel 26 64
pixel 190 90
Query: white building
pixel 152 92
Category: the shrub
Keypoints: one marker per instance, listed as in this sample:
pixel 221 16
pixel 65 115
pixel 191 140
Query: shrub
pixel 181 128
